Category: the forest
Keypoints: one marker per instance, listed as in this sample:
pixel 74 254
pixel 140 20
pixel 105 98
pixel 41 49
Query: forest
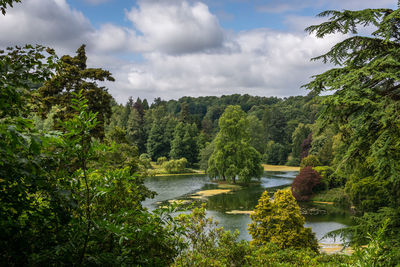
pixel 74 161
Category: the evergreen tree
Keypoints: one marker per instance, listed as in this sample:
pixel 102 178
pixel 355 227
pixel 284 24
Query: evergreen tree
pixel 127 111
pixel 74 76
pixel 184 144
pixel 160 137
pixel 365 104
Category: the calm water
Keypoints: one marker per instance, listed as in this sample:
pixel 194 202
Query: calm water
pixel 181 187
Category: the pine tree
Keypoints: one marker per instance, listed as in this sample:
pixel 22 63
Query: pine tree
pixel 184 144
pixel 365 104
pixel 74 76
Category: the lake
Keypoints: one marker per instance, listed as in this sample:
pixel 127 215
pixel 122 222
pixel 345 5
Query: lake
pixel 224 207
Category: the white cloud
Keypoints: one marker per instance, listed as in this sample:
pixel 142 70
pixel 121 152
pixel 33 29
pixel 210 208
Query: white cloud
pixel 183 48
pixel 264 63
pixel 175 27
pixel 46 22
pixel 111 38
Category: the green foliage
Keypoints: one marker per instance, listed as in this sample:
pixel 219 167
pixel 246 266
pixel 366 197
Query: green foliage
pixel 306 183
pixel 184 144
pixel 363 227
pixel 309 161
pixel 298 136
pixel 275 153
pixel 336 195
pixel 271 255
pixel 280 222
pixel 368 193
pixel 72 76
pixel 377 252
pixel 205 155
pixel 365 104
pixel 256 131
pixel 23 69
pixel 209 245
pixel 117 135
pixel 56 209
pixel 329 178
pixel 175 165
pixel 160 135
pixel 233 156
pixel 322 146
pixel 146 160
pixel 161 160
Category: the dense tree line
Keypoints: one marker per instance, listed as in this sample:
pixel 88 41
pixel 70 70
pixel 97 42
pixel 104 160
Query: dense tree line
pixel 186 127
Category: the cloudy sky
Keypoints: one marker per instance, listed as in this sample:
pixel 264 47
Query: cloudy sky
pixel 173 48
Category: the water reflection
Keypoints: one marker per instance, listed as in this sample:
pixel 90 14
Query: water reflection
pixel 244 199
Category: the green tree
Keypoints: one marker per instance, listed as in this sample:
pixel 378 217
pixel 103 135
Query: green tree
pixel 205 155
pixel 74 76
pixel 275 153
pixel 280 222
pixel 160 136
pixel 208 244
pixel 298 136
pixel 365 103
pixel 184 144
pixel 257 137
pixel 233 156
pixel 309 161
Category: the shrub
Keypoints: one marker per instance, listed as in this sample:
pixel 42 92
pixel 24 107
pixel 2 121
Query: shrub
pixel 329 178
pixel 280 222
pixel 175 166
pixel 304 183
pixel 145 159
pixel 161 160
pixel 271 255
pixel 209 245
pixel 310 160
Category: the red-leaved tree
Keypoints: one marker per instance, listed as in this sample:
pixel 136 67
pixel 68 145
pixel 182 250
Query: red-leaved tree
pixel 304 183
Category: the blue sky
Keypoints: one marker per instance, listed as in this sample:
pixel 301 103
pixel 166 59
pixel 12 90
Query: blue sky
pixel 173 48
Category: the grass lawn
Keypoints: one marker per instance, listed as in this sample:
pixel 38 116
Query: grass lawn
pixel 280 168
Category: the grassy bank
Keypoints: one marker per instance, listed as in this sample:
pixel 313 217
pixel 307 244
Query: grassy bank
pixel 279 168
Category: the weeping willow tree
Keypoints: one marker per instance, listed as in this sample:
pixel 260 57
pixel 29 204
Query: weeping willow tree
pixel 365 107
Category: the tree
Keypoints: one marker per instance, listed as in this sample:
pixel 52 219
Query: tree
pixel 24 158
pixel 298 136
pixel 160 136
pixel 280 222
pixel 233 157
pixel 275 153
pixel 184 144
pixel 257 137
pixel 303 185
pixel 365 105
pixel 309 161
pixel 306 146
pixel 74 76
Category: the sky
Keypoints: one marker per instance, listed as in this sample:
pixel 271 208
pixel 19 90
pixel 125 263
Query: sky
pixel 175 48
